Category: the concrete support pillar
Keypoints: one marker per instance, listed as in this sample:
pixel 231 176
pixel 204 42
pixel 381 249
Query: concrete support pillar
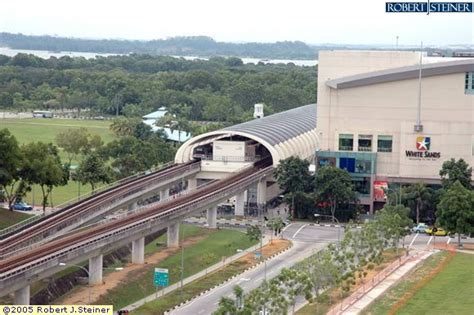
pixel 132 206
pixel 95 270
pixel 164 194
pixel 212 217
pixel 262 192
pixel 22 296
pixel 173 235
pixel 138 251
pixel 239 203
pixel 192 183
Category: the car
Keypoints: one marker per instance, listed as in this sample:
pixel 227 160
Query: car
pixel 438 231
pixel 22 206
pixel 420 228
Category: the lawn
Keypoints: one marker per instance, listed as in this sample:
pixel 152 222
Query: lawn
pixel 45 130
pixel 449 292
pixel 214 245
pixel 207 282
pixel 8 217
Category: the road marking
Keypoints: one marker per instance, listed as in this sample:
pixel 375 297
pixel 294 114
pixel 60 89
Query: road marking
pixel 201 311
pixel 429 241
pixel 449 240
pixel 413 240
pixel 296 233
pixel 284 229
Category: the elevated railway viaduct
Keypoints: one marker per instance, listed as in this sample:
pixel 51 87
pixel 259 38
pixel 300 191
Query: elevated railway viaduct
pixel 217 166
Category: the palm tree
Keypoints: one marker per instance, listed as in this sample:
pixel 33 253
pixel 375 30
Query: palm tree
pixel 123 126
pixel 419 194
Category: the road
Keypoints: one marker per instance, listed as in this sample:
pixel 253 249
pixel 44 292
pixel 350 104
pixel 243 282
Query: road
pixel 306 240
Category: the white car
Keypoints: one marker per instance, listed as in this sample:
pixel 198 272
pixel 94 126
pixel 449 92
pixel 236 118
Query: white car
pixel 420 228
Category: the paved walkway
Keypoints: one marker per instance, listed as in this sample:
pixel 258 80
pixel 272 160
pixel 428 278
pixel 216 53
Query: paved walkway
pixel 379 289
pixel 198 275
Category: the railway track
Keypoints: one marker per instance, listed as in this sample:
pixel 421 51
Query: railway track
pixel 76 238
pixel 13 240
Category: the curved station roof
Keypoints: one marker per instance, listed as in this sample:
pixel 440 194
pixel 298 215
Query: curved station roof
pixel 403 73
pixel 285 134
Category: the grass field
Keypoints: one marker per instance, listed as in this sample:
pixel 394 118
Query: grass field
pixel 449 292
pixel 8 217
pixel 45 130
pixel 215 245
pixel 210 280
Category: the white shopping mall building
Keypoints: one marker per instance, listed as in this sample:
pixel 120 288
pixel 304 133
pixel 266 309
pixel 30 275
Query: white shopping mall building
pixel 378 120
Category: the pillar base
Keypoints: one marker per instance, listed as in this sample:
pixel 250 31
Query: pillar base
pixel 22 296
pixel 212 217
pixel 173 235
pixel 95 270
pixel 138 251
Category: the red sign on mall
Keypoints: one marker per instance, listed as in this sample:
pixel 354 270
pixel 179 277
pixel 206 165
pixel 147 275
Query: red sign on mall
pixel 380 187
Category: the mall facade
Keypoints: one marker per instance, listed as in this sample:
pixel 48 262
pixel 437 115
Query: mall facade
pixel 380 122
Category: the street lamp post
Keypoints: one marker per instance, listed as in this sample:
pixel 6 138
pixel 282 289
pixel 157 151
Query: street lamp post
pixel 316 215
pixel 88 275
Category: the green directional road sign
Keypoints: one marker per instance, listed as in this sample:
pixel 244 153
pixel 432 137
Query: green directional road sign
pixel 161 277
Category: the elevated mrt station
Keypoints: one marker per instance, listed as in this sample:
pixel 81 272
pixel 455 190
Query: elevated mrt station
pixel 229 150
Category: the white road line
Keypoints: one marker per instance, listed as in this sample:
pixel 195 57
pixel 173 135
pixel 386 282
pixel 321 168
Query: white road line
pixel 296 233
pixel 286 227
pixel 429 241
pixel 449 240
pixel 413 240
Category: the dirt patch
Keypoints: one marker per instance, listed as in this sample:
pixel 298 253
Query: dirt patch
pixel 80 295
pixel 268 250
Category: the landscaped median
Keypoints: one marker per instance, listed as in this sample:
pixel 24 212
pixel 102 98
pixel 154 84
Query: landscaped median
pixel 211 280
pixel 332 297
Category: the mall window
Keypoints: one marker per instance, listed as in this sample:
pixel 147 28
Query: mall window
pixel 384 144
pixel 469 83
pixel 362 185
pixel 346 142
pixel 363 167
pixel 365 143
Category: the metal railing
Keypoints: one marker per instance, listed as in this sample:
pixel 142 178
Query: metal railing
pixel 226 158
pixel 369 285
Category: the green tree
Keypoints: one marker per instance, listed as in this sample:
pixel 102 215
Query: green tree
pixel 418 196
pixel 73 142
pixel 456 210
pixel 394 223
pixel 11 161
pixel 334 187
pixel 292 175
pixel 276 224
pixel 94 170
pixel 43 167
pixel 254 233
pixel 453 171
pixel 124 126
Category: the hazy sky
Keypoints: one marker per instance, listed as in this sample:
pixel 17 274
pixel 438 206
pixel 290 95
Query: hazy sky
pixel 311 21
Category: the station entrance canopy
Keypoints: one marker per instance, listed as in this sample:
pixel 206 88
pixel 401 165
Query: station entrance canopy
pixel 285 134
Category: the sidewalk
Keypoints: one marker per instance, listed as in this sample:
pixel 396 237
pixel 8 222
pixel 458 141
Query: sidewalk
pixel 379 289
pixel 196 276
